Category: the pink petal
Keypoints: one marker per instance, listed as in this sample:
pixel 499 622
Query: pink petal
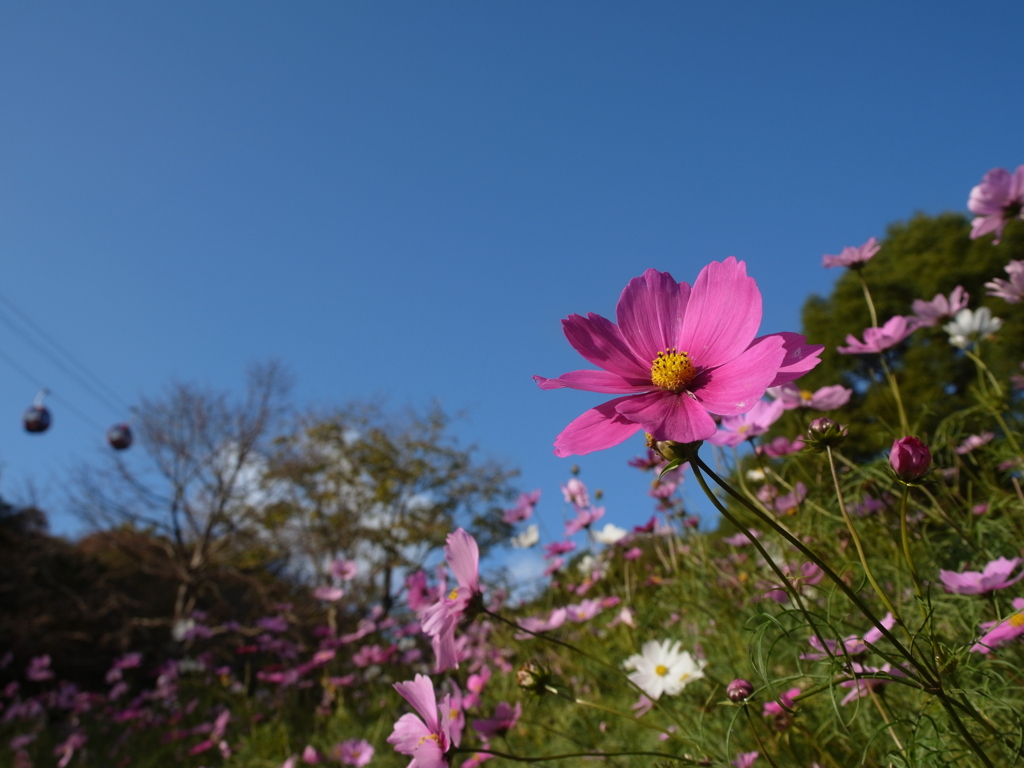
pixel 650 313
pixel 737 386
pixel 407 732
pixel 595 381
pixel 597 429
pixel 420 693
pixel 800 357
pixel 669 416
pixel 463 556
pixel 723 314
pixel 601 342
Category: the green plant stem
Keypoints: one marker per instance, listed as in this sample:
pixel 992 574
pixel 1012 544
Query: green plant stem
pixel 891 378
pixel 764 751
pixel 860 547
pixel 867 298
pixel 568 755
pixel 923 675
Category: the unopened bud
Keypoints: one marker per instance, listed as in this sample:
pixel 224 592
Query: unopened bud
pixel 533 678
pixel 824 433
pixel 739 690
pixel 909 459
pixel 670 450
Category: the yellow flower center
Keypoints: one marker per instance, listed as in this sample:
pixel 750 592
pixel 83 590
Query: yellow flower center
pixel 1017 620
pixel 684 677
pixel 806 395
pixel 454 594
pixel 661 670
pixel 742 428
pixel 431 736
pixel 672 370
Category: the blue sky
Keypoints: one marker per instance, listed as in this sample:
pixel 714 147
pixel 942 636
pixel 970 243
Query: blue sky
pixel 404 199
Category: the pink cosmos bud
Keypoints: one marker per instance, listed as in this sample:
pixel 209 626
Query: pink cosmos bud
pixel 909 459
pixel 824 433
pixel 739 690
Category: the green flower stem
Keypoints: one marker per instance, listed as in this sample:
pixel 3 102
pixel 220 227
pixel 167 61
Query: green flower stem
pixel 885 717
pixel 923 675
pixel 999 393
pixel 905 539
pixel 867 298
pixel 931 685
pixel 904 424
pixel 569 755
pixel 860 547
pixel 790 588
pixel 764 750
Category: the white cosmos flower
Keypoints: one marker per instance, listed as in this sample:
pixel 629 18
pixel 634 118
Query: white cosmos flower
pixel 610 534
pixel 661 667
pixel 969 326
pixel 527 538
pixel 755 475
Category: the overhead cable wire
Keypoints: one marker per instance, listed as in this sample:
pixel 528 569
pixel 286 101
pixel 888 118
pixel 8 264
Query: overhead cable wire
pixel 109 398
pixel 34 380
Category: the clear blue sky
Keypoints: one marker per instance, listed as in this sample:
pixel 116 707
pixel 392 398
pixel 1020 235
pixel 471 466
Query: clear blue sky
pixel 406 198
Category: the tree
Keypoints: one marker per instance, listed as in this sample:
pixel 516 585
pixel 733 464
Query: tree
pixel 918 259
pixel 193 487
pixel 385 491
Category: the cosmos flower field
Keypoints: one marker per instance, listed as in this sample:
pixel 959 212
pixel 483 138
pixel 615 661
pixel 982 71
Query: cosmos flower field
pixel 848 603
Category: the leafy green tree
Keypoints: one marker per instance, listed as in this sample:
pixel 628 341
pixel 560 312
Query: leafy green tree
pixel 383 490
pixel 918 259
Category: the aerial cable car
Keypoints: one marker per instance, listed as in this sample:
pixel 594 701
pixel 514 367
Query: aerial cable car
pixel 37 417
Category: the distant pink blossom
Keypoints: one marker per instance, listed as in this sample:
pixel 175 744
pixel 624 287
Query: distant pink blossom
pixel 39 668
pixel 996 200
pixel 772 708
pixel 928 313
pixel 876 340
pixel 66 749
pixel 807 574
pixel 554 565
pixel 788 504
pixel 475 686
pixel 504 719
pixel 584 611
pixel 649 461
pixel 758 420
pixel 355 752
pixel 1003 631
pixel 851 256
pixel 428 737
pixel 310 756
pixel 1017 379
pixel 741 539
pixel 823 399
pixel 678 355
pixel 782 446
pixel 328 594
pixel 575 493
pixel 745 759
pixel 556 548
pixel 995 576
pixel 346 570
pixel 584 519
pixel 523 508
pixel 851 645
pixel 862 686
pixel 633 553
pixel 1011 290
pixel 441 619
pixel 972 442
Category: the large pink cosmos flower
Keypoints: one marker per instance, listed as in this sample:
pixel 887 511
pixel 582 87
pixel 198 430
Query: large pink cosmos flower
pixel 998 198
pixel 425 738
pixel 1003 631
pixel 678 354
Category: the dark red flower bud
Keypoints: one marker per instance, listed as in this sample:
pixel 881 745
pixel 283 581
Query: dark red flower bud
pixel 739 690
pixel 909 459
